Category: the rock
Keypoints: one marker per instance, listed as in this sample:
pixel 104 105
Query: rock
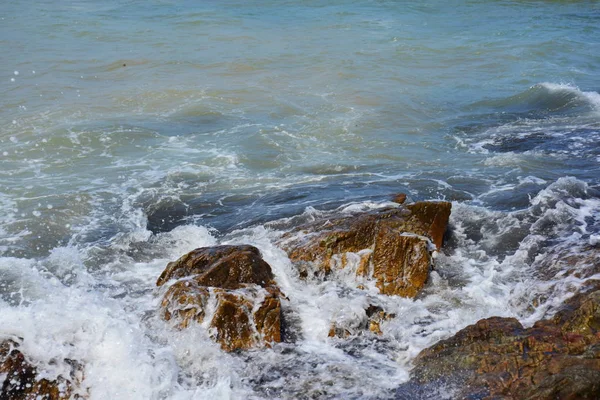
pixel 371 321
pixel 220 266
pixel 377 315
pixel 498 357
pixel 390 245
pixel 400 263
pixel 232 288
pixel 21 380
pixel 429 218
pixel 400 198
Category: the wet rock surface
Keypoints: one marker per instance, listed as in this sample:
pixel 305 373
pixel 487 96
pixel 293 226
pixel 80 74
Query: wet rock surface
pixel 557 358
pixel 391 245
pixel 229 287
pixel 399 198
pixel 21 379
pixel 220 266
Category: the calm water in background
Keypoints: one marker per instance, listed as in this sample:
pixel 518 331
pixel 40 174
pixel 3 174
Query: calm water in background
pixel 133 131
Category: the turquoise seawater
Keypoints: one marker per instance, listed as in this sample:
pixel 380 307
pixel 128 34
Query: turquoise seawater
pixel 133 131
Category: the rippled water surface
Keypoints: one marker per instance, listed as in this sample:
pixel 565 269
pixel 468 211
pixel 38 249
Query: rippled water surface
pixel 134 131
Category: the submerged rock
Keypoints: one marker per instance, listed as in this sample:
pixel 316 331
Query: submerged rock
pixel 371 321
pixel 557 358
pixel 392 245
pixel 569 259
pixel 21 379
pixel 230 287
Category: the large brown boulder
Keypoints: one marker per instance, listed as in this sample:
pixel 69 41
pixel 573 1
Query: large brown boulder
pixel 557 358
pixel 21 380
pixel 232 287
pixel 390 245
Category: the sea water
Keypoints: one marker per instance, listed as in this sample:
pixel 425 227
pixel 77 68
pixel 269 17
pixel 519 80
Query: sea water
pixel 134 131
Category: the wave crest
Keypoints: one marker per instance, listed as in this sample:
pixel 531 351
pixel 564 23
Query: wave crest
pixel 547 97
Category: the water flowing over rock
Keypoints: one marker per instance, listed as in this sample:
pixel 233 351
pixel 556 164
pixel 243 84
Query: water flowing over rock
pixel 232 287
pixel 21 378
pixel 581 261
pixel 374 316
pixel 557 358
pixel 392 245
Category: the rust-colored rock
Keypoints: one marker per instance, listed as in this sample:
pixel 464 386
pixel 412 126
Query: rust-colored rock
pixel 21 381
pixel 400 263
pixel 233 287
pixel 430 219
pixel 389 245
pixel 558 358
pixel 400 198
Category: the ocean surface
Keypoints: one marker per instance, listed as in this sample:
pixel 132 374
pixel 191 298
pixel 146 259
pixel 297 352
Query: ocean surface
pixel 134 131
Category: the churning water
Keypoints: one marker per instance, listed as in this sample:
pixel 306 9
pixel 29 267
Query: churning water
pixel 134 131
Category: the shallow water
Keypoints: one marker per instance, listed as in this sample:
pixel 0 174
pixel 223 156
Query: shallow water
pixel 132 132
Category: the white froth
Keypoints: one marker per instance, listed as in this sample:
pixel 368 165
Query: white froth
pixel 59 322
pixel 506 159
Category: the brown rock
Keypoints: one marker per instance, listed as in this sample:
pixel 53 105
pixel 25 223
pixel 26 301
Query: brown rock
pixel 21 381
pixel 389 245
pixel 220 266
pixel 247 306
pixel 400 198
pixel 497 357
pixel 267 318
pixel 400 263
pixel 336 331
pixel 430 219
pixel 376 316
pixel 185 301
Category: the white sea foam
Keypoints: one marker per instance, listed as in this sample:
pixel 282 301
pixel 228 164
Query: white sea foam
pixel 506 159
pixel 55 322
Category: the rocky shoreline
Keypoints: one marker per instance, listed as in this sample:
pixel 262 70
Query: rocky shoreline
pixel 497 358
pixel 230 290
